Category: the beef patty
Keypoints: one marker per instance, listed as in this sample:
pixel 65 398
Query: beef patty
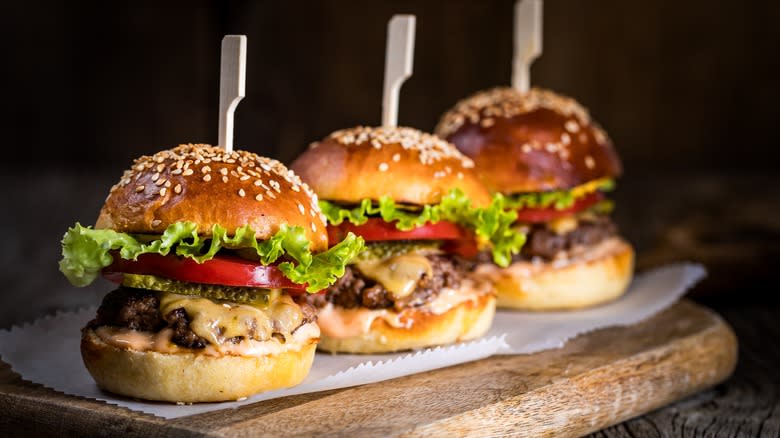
pixel 139 309
pixel 356 290
pixel 546 244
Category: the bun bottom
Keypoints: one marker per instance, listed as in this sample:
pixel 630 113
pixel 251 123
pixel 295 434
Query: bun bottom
pixel 601 275
pixel 466 321
pixel 190 377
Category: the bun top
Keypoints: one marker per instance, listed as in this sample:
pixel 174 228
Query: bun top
pixel 408 165
pixel 529 142
pixel 207 185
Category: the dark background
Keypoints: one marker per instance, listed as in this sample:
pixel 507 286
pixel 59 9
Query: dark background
pixel 688 91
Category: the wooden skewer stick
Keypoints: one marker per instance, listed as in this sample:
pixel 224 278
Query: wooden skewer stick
pixel 399 59
pixel 232 85
pixel 528 41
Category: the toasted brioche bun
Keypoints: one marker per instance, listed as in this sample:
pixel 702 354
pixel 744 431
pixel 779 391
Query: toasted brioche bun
pixel 191 377
pixel 582 283
pixel 529 142
pixel 403 163
pixel 466 321
pixel 206 185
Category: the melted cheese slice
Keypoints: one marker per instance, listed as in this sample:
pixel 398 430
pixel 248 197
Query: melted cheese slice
pixel 219 321
pixel 588 187
pixel 399 274
pixel 563 225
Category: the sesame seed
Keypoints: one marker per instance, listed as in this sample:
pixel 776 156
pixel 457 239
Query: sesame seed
pixel 140 188
pixel 258 182
pixel 241 193
pixel 313 227
pixel 156 222
pixel 429 148
pixel 301 208
pixel 565 138
pixel 270 194
pixel 396 157
pixel 572 126
pixel 482 108
pixel 460 175
pixel 177 189
pixel 275 185
pixel 526 148
pixel 383 167
pixel 590 162
pixel 179 159
pixel 259 197
pixel 224 179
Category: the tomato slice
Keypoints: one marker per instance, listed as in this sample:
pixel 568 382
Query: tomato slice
pixel 377 229
pixel 535 215
pixel 222 270
pixel 466 248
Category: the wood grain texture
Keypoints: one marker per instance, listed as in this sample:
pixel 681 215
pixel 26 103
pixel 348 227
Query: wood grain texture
pixel 747 405
pixel 596 380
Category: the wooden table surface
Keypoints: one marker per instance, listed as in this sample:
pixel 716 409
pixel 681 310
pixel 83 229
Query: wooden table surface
pixel 720 220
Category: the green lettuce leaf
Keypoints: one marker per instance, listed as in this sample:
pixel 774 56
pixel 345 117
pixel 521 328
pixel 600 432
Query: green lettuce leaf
pixel 559 199
pixel 86 251
pixel 492 225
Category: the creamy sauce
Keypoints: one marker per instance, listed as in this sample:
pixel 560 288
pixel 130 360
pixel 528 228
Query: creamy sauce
pixel 399 275
pixel 161 342
pixel 338 322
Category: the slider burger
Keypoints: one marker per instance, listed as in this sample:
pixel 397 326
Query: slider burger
pixel 553 165
pixel 421 210
pixel 212 251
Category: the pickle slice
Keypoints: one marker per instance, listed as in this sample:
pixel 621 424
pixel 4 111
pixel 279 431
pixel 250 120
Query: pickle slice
pixel 243 295
pixel 383 250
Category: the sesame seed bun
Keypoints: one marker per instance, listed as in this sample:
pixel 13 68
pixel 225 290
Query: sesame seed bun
pixel 600 275
pixel 529 142
pixel 464 322
pixel 191 377
pixel 408 165
pixel 207 185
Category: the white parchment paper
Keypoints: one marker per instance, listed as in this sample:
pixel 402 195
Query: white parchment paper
pixel 47 350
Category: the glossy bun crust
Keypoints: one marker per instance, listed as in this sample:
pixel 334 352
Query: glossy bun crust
pixel 191 377
pixel 403 163
pixel 206 185
pixel 529 142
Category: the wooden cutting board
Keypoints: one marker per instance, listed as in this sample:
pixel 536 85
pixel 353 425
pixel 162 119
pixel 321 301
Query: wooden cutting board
pixel 596 380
